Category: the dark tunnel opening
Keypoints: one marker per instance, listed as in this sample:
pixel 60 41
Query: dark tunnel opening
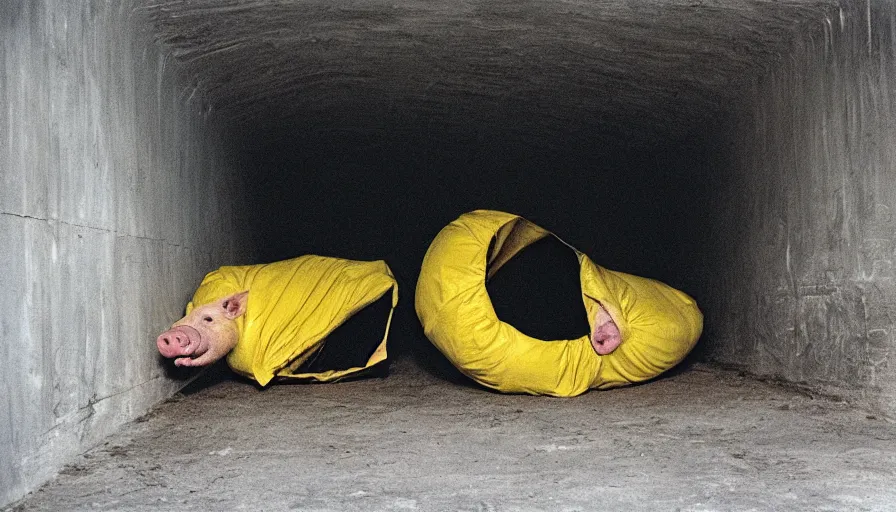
pixel 385 193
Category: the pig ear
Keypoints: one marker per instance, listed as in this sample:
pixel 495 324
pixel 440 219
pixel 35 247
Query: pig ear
pixel 235 305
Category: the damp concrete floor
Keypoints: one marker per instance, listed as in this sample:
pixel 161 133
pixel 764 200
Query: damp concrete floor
pixel 701 439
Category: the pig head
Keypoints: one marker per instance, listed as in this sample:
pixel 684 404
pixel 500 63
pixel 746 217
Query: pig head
pixel 605 337
pixel 206 334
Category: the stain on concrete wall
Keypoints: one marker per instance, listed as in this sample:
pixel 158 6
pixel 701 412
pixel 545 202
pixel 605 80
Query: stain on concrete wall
pixel 116 196
pixel 803 248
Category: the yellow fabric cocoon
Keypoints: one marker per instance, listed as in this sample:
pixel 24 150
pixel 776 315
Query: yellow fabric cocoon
pixel 659 325
pixel 292 306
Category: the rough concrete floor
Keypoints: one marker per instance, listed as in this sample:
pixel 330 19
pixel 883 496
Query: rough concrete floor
pixel 704 439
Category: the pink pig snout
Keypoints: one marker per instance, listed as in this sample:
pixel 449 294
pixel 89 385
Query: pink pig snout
pixel 180 341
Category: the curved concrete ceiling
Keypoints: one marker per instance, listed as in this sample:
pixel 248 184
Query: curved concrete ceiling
pixel 644 69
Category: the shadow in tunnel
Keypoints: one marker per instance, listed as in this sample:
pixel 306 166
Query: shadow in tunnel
pixel 207 377
pixel 386 194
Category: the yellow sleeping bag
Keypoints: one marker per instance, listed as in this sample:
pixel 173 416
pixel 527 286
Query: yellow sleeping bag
pixel 658 324
pixel 292 306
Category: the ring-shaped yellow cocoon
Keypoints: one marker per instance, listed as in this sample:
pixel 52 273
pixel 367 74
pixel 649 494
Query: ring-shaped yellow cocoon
pixel 659 325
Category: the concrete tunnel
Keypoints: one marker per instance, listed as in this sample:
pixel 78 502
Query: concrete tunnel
pixel 741 150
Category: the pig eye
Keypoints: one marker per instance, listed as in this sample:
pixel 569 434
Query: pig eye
pixel 208 319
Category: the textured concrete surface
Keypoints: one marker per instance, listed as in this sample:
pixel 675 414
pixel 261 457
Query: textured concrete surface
pixel 367 125
pixel 114 193
pixel 701 440
pixel 570 70
pixel 801 279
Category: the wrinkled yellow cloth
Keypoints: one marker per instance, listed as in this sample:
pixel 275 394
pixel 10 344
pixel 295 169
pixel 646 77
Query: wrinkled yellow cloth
pixel 659 325
pixel 292 306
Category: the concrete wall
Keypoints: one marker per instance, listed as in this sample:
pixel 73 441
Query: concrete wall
pixel 800 273
pixel 116 195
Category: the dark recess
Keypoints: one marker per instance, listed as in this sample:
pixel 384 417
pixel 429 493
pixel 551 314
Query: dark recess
pixel 351 344
pixel 539 292
pixel 385 194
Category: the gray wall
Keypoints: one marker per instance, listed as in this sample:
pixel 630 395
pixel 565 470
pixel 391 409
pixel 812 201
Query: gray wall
pixel 116 195
pixel 800 265
pixel 118 191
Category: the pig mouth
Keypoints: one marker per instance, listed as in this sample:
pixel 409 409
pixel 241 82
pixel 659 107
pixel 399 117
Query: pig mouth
pixel 181 341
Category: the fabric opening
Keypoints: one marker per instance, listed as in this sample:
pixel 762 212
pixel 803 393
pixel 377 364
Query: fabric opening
pixel 539 292
pixel 351 344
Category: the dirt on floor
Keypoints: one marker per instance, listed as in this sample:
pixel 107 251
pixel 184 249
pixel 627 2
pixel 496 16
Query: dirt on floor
pixel 701 439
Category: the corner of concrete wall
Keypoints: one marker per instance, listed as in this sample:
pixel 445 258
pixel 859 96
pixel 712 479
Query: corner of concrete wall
pixel 803 284
pixel 116 195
